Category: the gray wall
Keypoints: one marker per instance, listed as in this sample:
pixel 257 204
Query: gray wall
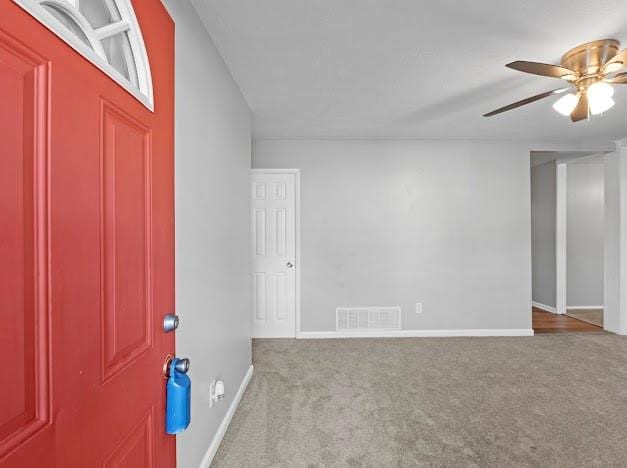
pixel 612 301
pixel 445 223
pixel 543 204
pixel 615 312
pixel 213 290
pixel 585 234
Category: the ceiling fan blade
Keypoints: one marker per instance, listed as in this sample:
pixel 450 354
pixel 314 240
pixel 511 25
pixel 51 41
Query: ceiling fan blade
pixel 620 57
pixel 621 78
pixel 581 111
pixel 543 69
pixel 529 100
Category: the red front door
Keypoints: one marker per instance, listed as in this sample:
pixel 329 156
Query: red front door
pixel 86 251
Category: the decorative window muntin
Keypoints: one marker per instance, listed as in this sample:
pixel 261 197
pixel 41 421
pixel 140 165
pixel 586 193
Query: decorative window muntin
pixel 106 32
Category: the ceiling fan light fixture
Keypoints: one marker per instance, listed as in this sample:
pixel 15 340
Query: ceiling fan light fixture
pixel 599 106
pixel 600 97
pixel 566 104
pixel 600 90
pixel 590 71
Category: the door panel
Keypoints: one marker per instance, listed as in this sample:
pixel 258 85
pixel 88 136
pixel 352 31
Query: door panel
pixel 136 449
pixel 125 193
pixel 86 187
pixel 24 402
pixel 274 254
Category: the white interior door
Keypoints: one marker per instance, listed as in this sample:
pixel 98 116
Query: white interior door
pixel 274 254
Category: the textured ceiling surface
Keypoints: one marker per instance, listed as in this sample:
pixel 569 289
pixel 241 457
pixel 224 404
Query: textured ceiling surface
pixel 407 68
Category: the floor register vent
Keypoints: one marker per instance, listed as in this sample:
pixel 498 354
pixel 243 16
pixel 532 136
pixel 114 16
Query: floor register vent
pixel 368 318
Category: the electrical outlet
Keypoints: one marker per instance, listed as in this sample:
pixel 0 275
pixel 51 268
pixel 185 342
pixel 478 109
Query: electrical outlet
pixel 216 392
pixel 419 307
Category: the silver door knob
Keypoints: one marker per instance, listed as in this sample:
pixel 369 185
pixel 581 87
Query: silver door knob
pixel 182 365
pixel 289 264
pixel 170 322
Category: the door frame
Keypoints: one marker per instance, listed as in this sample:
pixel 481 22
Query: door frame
pixel 561 239
pixel 561 235
pixel 296 174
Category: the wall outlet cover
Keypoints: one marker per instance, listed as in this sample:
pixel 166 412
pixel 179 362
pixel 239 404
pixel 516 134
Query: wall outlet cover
pixel 212 393
pixel 419 307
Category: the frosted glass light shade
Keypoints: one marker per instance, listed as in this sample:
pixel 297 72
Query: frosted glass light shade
pixel 600 90
pixel 600 105
pixel 566 104
pixel 600 97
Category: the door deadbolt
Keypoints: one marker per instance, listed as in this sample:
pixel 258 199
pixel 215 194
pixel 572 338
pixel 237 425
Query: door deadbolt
pixel 170 322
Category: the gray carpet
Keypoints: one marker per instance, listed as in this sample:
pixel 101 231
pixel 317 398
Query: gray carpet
pixel 545 401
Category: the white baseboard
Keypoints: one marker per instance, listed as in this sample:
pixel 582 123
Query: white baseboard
pixel 593 307
pixel 415 333
pixel 539 305
pixel 217 439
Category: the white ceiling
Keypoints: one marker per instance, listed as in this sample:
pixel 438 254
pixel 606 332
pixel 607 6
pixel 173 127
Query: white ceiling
pixel 408 68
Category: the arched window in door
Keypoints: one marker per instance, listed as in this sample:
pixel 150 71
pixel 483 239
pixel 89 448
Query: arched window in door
pixel 105 32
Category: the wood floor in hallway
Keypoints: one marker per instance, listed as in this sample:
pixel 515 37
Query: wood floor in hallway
pixel 546 322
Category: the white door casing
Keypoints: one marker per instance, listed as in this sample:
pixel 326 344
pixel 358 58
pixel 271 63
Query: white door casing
pixel 274 253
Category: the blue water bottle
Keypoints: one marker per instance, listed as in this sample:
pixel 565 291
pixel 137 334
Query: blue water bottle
pixel 178 399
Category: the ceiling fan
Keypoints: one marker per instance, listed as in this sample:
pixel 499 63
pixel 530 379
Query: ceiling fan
pixel 590 70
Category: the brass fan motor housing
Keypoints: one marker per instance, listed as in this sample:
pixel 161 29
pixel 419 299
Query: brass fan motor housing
pixel 588 58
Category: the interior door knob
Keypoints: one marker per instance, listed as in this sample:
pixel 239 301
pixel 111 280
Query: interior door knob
pixel 290 264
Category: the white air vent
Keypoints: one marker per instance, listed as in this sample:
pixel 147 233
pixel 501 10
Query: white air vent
pixel 368 318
